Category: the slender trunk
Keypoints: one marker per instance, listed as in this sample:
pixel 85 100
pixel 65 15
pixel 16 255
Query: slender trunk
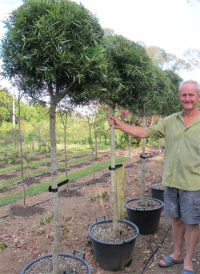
pixel 56 244
pixel 143 167
pixel 64 122
pixel 13 114
pixel 91 145
pixel 113 174
pixel 151 143
pixel 45 157
pixel 21 152
pixel 96 144
pixel 129 145
pixel 65 147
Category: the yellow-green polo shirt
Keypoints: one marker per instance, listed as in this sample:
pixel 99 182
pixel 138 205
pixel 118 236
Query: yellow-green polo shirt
pixel 182 151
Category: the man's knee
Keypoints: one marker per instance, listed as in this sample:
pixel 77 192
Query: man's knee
pixel 193 227
pixel 177 221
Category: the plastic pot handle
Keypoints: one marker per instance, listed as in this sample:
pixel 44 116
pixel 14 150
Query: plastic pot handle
pixel 102 216
pixel 79 251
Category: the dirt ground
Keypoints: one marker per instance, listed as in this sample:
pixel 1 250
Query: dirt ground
pixel 28 233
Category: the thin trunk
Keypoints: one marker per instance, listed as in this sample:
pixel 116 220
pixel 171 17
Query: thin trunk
pixel 21 152
pixel 13 114
pixel 65 143
pixel 129 145
pixel 96 144
pixel 91 145
pixel 65 147
pixel 113 174
pixel 143 167
pixel 45 158
pixel 151 143
pixel 56 243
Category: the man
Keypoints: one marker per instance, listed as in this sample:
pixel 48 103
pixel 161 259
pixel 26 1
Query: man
pixel 181 172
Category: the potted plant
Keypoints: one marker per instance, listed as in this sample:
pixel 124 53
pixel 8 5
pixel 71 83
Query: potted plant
pixel 144 212
pixel 68 263
pixel 157 190
pixel 113 251
pixel 125 66
pixel 47 61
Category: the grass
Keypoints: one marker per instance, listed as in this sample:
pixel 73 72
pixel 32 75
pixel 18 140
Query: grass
pixel 42 162
pixel 11 181
pixel 35 189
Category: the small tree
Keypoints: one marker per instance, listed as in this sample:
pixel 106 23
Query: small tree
pixel 129 76
pixel 51 48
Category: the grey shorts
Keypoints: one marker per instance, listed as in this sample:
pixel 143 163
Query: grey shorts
pixel 182 203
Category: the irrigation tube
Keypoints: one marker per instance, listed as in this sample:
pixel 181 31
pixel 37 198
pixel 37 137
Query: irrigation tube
pixel 154 252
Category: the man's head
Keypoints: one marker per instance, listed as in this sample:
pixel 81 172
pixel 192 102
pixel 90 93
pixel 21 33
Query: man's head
pixel 189 81
pixel 189 94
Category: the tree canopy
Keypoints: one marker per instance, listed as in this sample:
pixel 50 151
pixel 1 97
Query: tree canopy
pixel 51 46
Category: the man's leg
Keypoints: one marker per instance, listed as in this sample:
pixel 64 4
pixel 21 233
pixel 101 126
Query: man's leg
pixel 178 231
pixel 191 241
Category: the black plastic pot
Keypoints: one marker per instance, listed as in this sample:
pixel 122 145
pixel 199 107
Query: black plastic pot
pixel 113 256
pixel 157 192
pixel 82 260
pixel 146 219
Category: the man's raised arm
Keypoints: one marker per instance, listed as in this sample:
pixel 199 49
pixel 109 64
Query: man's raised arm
pixel 135 131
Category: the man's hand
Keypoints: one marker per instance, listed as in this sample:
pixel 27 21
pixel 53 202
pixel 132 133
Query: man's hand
pixel 114 121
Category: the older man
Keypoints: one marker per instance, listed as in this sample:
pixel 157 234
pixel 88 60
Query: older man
pixel 181 173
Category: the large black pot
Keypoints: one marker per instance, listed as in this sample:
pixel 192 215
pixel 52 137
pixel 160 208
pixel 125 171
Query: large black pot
pixel 156 191
pixel 146 219
pixel 113 256
pixel 82 260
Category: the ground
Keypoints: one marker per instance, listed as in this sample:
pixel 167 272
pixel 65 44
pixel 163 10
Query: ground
pixel 28 232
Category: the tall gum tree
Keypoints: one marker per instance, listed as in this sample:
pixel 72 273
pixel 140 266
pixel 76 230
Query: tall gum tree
pixel 52 49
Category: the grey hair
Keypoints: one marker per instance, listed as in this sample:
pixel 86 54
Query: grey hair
pixel 189 81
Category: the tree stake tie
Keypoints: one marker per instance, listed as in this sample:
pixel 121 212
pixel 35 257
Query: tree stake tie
pixel 114 168
pixel 60 184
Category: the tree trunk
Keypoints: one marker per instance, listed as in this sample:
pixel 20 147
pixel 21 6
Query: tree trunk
pixel 91 145
pixel 13 114
pixel 129 145
pixel 143 167
pixel 96 144
pixel 56 244
pixel 21 151
pixel 113 174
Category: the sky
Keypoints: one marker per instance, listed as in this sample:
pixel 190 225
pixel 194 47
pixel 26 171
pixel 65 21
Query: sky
pixel 173 25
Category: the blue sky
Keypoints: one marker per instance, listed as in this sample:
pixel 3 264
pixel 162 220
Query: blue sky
pixel 173 25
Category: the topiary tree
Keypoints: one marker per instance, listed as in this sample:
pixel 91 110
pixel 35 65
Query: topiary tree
pixel 129 77
pixel 52 49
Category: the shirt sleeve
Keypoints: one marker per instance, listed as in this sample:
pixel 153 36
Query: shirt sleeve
pixel 157 131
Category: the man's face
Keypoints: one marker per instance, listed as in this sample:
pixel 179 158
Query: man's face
pixel 189 97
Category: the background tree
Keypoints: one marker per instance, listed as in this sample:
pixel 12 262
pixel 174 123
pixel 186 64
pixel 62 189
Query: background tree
pixel 167 60
pixel 5 106
pixel 64 112
pixel 51 48
pixel 193 57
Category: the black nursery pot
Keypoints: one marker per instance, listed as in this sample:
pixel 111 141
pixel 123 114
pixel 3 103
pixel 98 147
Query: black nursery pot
pixel 146 219
pixel 82 260
pixel 113 256
pixel 156 192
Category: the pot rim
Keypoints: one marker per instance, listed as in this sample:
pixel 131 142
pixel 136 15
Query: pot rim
pixel 143 209
pixel 111 243
pixel 155 182
pixel 26 267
